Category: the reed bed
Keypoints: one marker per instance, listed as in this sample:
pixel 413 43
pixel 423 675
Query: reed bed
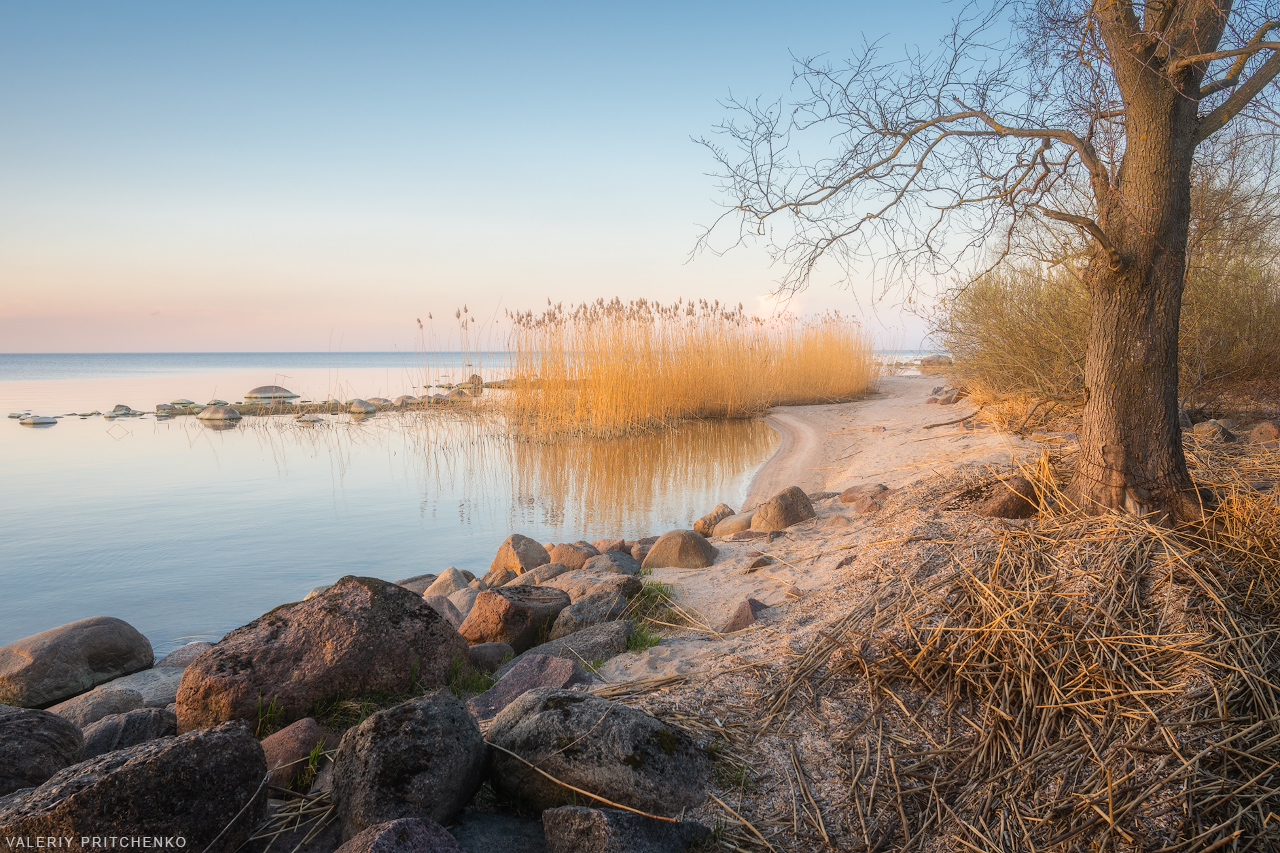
pixel 607 368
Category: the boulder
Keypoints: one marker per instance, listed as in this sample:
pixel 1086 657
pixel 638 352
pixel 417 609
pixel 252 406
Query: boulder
pixel 182 656
pixel 603 545
pixel 597 643
pixel 449 581
pixel 157 686
pixel 493 832
pixel 204 786
pixel 519 554
pixel 640 549
pixel 734 524
pixel 498 577
pixel 707 524
pixel 607 749
pixel 445 608
pixel 318 591
pixel 70 659
pixel 578 829
pixel 479 585
pixel 744 616
pixel 789 506
pixel 573 554
pixel 87 708
pixel 218 413
pixel 584 582
pixel 34 745
pixel 936 361
pixel 867 490
pixel 517 616
pixel 587 611
pixel 407 835
pixel 682 549
pixel 362 636
pixel 532 671
pixel 119 731
pixel 1012 498
pixel 487 657
pixel 540 575
pixel 613 561
pixel 1264 433
pixel 464 600
pixel 1214 429
pixel 361 407
pixel 287 750
pixel 423 758
pixel 417 583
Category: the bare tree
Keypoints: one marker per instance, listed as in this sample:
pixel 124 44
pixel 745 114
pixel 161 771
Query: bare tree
pixel 1038 123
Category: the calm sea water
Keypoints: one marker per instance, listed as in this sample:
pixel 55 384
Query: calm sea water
pixel 187 532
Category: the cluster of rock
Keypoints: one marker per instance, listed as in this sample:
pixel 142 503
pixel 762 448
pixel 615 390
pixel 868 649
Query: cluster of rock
pixel 1264 433
pixel 945 395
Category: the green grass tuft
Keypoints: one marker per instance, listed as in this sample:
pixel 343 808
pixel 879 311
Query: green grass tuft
pixel 464 681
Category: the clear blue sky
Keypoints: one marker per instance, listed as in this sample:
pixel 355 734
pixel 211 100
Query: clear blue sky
pixel 236 176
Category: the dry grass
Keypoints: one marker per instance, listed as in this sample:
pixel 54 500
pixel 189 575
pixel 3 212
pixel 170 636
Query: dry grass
pixel 607 369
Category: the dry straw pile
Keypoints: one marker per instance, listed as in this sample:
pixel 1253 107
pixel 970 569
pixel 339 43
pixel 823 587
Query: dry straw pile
pixel 609 368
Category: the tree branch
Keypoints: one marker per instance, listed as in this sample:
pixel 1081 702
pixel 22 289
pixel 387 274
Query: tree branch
pixel 1239 99
pixel 1243 52
pixel 1084 223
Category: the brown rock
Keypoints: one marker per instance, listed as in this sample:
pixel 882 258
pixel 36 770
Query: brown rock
pixel 518 616
pixel 1264 432
pixel 743 617
pixel 519 554
pixel 68 660
pixel 868 490
pixel 447 583
pixel 734 524
pixel 707 524
pixel 682 549
pixel 586 582
pixel 407 835
pixel 287 750
pixel 1012 498
pixel 540 575
pixel 573 554
pixel 789 506
pixel 498 577
pixel 362 636
pixel 603 545
pixel 531 671
pixel 34 745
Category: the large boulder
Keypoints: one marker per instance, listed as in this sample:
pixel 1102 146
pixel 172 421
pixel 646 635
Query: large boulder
pixel 578 829
pixel 87 708
pixel 445 608
pixel 362 636
pixel 447 583
pixel 418 583
pixel 124 730
pixel 424 758
pixel 597 643
pixel 573 554
pixel 789 506
pixel 603 545
pixel 707 524
pixel 587 611
pixel 68 660
pixel 734 524
pixel 407 835
pixel 182 656
pixel 288 750
pixel 613 561
pixel 34 745
pixel 498 577
pixel 606 749
pixel 518 616
pixel 202 786
pixel 540 575
pixel 1012 498
pixel 582 583
pixel 682 549
pixel 532 671
pixel 463 600
pixel 519 554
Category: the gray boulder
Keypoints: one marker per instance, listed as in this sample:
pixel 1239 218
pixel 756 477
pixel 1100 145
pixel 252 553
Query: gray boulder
pixel 734 524
pixel 68 660
pixel 578 829
pixel 490 832
pixel 789 506
pixel 34 745
pixel 587 611
pixel 607 749
pixel 87 708
pixel 532 671
pixel 519 554
pixel 613 561
pixel 183 655
pixel 540 575
pixel 407 835
pixel 423 758
pixel 203 786
pixel 597 643
pixel 157 686
pixel 119 731
pixel 450 581
pixel 417 583
pixel 445 608
pixel 683 549
pixel 463 600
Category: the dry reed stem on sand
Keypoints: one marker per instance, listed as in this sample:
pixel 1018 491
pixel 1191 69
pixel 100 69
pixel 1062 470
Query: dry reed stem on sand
pixel 607 369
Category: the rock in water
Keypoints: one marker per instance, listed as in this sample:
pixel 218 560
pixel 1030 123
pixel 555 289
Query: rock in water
pixel 578 829
pixel 362 636
pixel 789 506
pixel 270 392
pixel 202 786
pixel 407 835
pixel 119 731
pixel 532 671
pixel 68 660
pixel 610 750
pixel 1012 498
pixel 519 554
pixel 184 655
pixel 683 549
pixel 517 616
pixel 34 745
pixel 423 758
pixel 707 524
pixel 218 413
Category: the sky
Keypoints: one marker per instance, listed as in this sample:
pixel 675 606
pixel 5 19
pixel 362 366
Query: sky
pixel 312 177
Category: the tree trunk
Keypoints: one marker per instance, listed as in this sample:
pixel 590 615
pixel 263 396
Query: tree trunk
pixel 1131 455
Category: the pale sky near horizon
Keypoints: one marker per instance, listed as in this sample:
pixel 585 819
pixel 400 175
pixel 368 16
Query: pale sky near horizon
pixel 288 176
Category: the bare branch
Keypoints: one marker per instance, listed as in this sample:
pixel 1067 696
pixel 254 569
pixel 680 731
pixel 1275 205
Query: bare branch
pixel 1084 223
pixel 1216 119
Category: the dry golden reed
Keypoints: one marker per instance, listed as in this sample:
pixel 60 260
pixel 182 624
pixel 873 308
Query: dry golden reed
pixel 614 368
